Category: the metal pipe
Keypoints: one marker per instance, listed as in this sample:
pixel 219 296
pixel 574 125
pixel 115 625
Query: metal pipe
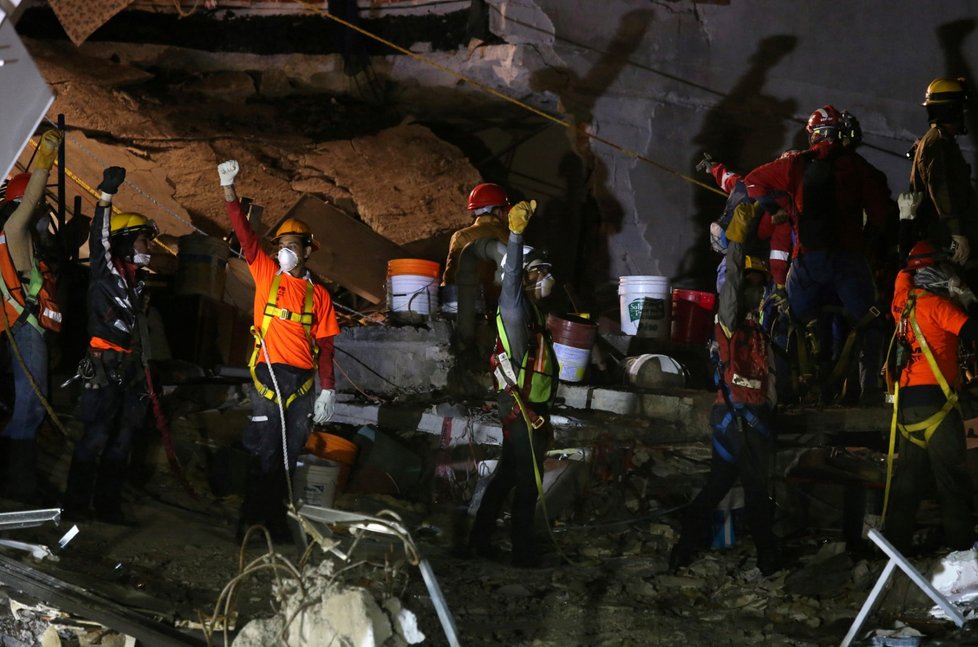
pixel 467 280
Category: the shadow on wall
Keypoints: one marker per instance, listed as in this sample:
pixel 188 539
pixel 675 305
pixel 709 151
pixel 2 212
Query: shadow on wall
pixel 744 129
pixel 578 95
pixel 951 36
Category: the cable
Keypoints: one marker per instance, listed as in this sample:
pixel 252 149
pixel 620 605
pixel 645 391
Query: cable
pixel 496 93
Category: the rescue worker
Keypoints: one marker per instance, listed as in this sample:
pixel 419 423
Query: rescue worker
pixel 114 403
pixel 29 311
pixel 942 204
pixel 927 305
pixel 829 187
pixel 489 204
pixel 525 371
pixel 743 440
pixel 294 327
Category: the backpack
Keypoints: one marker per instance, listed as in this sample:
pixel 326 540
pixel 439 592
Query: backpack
pixel 816 221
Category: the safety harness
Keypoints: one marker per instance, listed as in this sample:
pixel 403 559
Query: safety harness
pixel 272 311
pixel 919 433
pixel 535 380
pixel 28 298
pixel 738 411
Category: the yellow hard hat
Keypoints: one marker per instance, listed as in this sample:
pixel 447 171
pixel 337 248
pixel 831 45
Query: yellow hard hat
pixel 755 263
pixel 945 90
pixel 295 227
pixel 132 223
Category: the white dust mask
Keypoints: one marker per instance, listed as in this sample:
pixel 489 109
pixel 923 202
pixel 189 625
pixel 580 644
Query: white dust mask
pixel 141 259
pixel 287 259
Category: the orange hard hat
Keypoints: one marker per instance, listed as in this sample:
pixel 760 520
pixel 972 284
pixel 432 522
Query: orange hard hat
pixel 16 187
pixel 295 227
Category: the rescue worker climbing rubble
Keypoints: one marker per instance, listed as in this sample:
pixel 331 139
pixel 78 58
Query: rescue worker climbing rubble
pixel 928 305
pixel 743 440
pixel 294 327
pixel 830 187
pixel 29 312
pixel 525 371
pixel 114 404
pixel 941 205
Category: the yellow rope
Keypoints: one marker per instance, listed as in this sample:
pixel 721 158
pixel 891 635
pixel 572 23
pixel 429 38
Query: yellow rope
pixel 496 93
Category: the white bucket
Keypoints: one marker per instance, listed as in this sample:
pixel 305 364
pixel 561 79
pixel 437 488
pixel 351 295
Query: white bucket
pixel 449 300
pixel 572 361
pixel 413 293
pixel 644 302
pixel 315 480
pixel 654 371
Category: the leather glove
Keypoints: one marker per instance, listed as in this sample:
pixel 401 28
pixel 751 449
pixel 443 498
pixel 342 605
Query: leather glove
pixel 520 214
pixel 47 149
pixel 960 249
pixel 324 407
pixel 705 165
pixel 740 223
pixel 112 179
pixel 227 171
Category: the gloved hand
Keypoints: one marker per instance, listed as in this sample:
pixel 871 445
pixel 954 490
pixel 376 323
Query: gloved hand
pixel 324 407
pixel 779 297
pixel 520 214
pixel 47 149
pixel 960 292
pixel 112 179
pixel 227 171
pixel 740 223
pixel 705 165
pixel 960 249
pixel 908 203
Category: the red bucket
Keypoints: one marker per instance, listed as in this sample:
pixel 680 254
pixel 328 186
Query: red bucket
pixel 692 316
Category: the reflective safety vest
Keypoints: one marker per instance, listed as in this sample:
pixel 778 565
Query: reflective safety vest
pixel 34 302
pixel 272 311
pixel 537 376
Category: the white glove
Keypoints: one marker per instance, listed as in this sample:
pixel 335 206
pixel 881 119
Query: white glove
pixel 227 170
pixel 324 407
pixel 908 203
pixel 960 292
pixel 960 249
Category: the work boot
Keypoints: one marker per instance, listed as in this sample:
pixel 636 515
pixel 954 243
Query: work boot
pixel 77 499
pixel 107 499
pixel 680 556
pixel 21 482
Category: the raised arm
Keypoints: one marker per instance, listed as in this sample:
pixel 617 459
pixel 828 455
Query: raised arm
pixel 242 229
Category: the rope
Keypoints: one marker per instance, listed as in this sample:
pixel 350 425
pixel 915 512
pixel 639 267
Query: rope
pixel 500 95
pixel 281 419
pixel 30 377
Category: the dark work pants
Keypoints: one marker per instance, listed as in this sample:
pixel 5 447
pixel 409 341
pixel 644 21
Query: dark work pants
pixel 942 465
pixel 752 452
pixel 515 469
pixel 112 415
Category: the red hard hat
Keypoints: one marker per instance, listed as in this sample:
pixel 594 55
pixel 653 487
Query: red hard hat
pixel 923 254
pixel 16 187
pixel 825 117
pixel 487 195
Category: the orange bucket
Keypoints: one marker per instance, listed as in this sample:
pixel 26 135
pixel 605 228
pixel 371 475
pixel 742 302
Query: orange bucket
pixel 413 267
pixel 334 448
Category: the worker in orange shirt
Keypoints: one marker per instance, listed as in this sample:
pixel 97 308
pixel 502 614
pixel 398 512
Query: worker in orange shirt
pixel 294 327
pixel 929 304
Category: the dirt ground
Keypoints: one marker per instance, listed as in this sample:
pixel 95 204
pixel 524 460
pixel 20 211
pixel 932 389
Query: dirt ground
pixel 604 579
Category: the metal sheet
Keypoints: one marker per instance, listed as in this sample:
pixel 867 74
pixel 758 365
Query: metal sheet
pixel 28 518
pixel 350 254
pixel 22 110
